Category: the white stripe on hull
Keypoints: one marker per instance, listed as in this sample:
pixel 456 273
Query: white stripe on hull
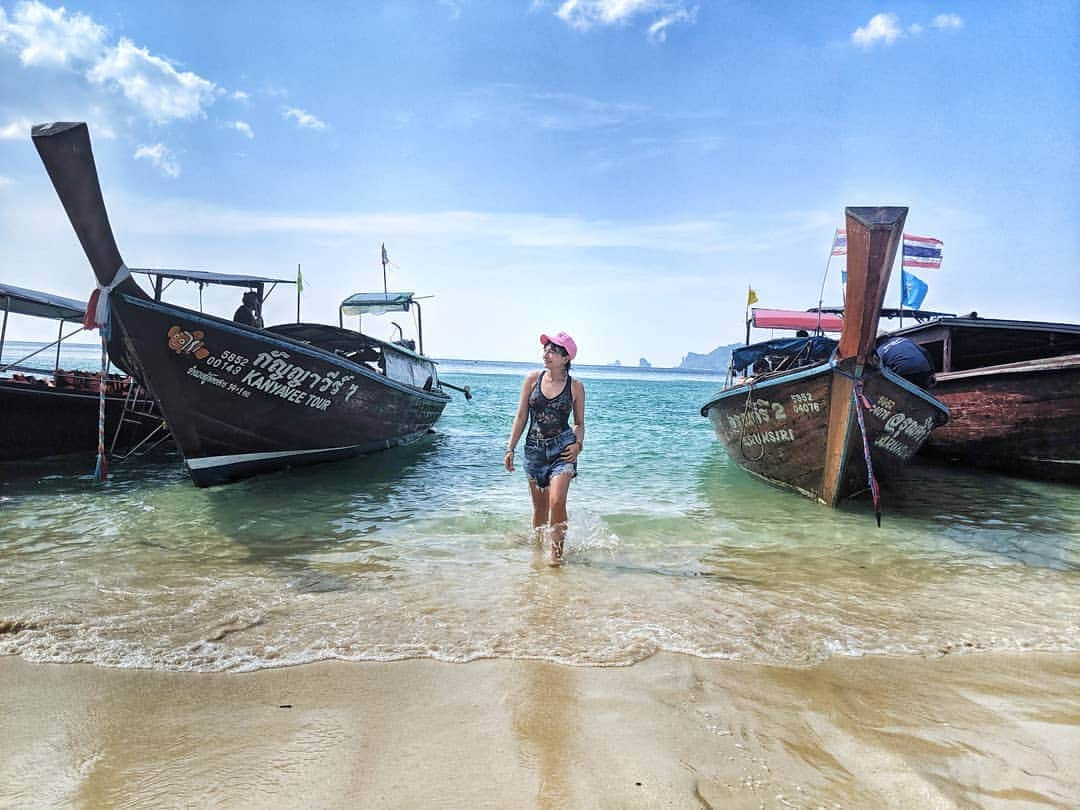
pixel 209 462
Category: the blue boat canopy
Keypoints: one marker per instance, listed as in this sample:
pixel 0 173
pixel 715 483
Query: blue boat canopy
pixel 814 349
pixel 40 304
pixel 206 277
pixel 376 303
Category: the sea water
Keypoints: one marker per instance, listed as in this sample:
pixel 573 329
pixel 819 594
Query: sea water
pixel 426 551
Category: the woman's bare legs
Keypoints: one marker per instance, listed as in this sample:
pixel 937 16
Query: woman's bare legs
pixel 556 508
pixel 540 506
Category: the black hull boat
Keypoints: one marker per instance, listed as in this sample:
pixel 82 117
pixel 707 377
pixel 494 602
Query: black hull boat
pixel 41 420
pixel 241 400
pixel 55 412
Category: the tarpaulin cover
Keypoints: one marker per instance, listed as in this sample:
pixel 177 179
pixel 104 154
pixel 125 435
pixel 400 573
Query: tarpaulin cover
pixel 815 349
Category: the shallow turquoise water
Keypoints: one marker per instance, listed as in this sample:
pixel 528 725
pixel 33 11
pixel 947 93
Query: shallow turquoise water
pixel 425 551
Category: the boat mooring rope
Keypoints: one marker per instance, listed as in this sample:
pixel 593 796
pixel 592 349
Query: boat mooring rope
pixel 101 468
pixel 98 317
pixel 745 422
pixel 861 402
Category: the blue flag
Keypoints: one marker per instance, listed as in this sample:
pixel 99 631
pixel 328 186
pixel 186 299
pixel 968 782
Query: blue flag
pixel 914 290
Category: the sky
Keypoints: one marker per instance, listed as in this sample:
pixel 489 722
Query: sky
pixel 623 170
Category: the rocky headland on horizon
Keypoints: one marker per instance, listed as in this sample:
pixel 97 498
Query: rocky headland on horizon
pixel 716 361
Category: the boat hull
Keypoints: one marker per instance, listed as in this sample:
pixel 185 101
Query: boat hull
pixel 1020 418
pixel 40 421
pixel 241 401
pixel 800 430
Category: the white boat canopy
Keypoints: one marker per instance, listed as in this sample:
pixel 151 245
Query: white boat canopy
pixel 21 301
pixel 376 303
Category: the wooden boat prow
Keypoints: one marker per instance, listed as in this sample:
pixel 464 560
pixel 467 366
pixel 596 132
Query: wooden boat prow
pixel 873 236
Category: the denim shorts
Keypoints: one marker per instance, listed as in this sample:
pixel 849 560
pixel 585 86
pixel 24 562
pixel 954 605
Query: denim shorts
pixel 542 462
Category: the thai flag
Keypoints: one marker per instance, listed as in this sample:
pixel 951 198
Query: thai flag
pixel 839 243
pixel 922 251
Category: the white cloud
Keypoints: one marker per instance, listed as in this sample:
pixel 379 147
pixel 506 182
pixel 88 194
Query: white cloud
pixel 583 15
pixel 16 130
pixel 50 37
pixel 303 119
pixel 160 157
pixel 240 95
pixel 183 218
pixel 6 181
pixel 242 127
pixel 46 37
pixel 881 28
pixel 658 30
pixel 562 112
pixel 886 28
pixel 152 84
pixel 948 21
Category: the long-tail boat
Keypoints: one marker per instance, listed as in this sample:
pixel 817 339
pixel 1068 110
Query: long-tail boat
pixel 824 421
pixel 50 411
pixel 242 400
pixel 1013 389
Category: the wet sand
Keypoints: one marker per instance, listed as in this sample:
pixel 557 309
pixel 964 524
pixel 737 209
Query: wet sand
pixel 977 730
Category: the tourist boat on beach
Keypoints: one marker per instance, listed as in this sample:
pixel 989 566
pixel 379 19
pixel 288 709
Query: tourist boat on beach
pixel 52 411
pixel 823 417
pixel 242 400
pixel 1013 390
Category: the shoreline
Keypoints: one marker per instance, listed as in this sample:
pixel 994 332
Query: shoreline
pixel 979 729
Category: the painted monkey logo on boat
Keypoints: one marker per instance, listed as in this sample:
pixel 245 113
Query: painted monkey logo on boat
pixel 183 342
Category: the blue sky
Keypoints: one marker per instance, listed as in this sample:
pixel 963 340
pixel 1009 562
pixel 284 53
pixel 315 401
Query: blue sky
pixel 620 169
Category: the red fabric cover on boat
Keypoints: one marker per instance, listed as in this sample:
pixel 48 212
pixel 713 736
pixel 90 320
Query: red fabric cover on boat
pixel 793 319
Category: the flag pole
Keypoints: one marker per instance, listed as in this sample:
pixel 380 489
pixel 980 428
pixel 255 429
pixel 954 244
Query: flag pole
pixel 901 281
pixel 751 297
pixel 821 294
pixel 299 289
pixel 385 259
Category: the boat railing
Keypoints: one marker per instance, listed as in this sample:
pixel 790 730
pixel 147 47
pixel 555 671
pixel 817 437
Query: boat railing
pixel 74 380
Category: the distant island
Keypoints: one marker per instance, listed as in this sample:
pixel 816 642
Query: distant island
pixel 717 360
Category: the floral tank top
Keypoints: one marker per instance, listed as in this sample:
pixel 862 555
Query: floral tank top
pixel 549 417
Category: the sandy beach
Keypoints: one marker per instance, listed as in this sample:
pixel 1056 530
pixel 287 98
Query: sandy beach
pixel 673 731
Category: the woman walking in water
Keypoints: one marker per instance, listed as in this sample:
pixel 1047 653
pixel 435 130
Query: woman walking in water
pixel 548 398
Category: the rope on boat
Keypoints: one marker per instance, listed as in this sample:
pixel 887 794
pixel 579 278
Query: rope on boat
pixel 98 317
pixel 745 422
pixel 861 402
pixel 97 308
pixel 101 468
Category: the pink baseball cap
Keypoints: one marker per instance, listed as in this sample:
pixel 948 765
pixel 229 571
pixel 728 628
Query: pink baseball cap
pixel 561 339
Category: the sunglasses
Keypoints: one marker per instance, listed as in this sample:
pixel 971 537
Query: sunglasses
pixel 556 348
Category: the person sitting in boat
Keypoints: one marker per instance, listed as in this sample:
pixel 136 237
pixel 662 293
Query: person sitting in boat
pixel 248 312
pixel 906 358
